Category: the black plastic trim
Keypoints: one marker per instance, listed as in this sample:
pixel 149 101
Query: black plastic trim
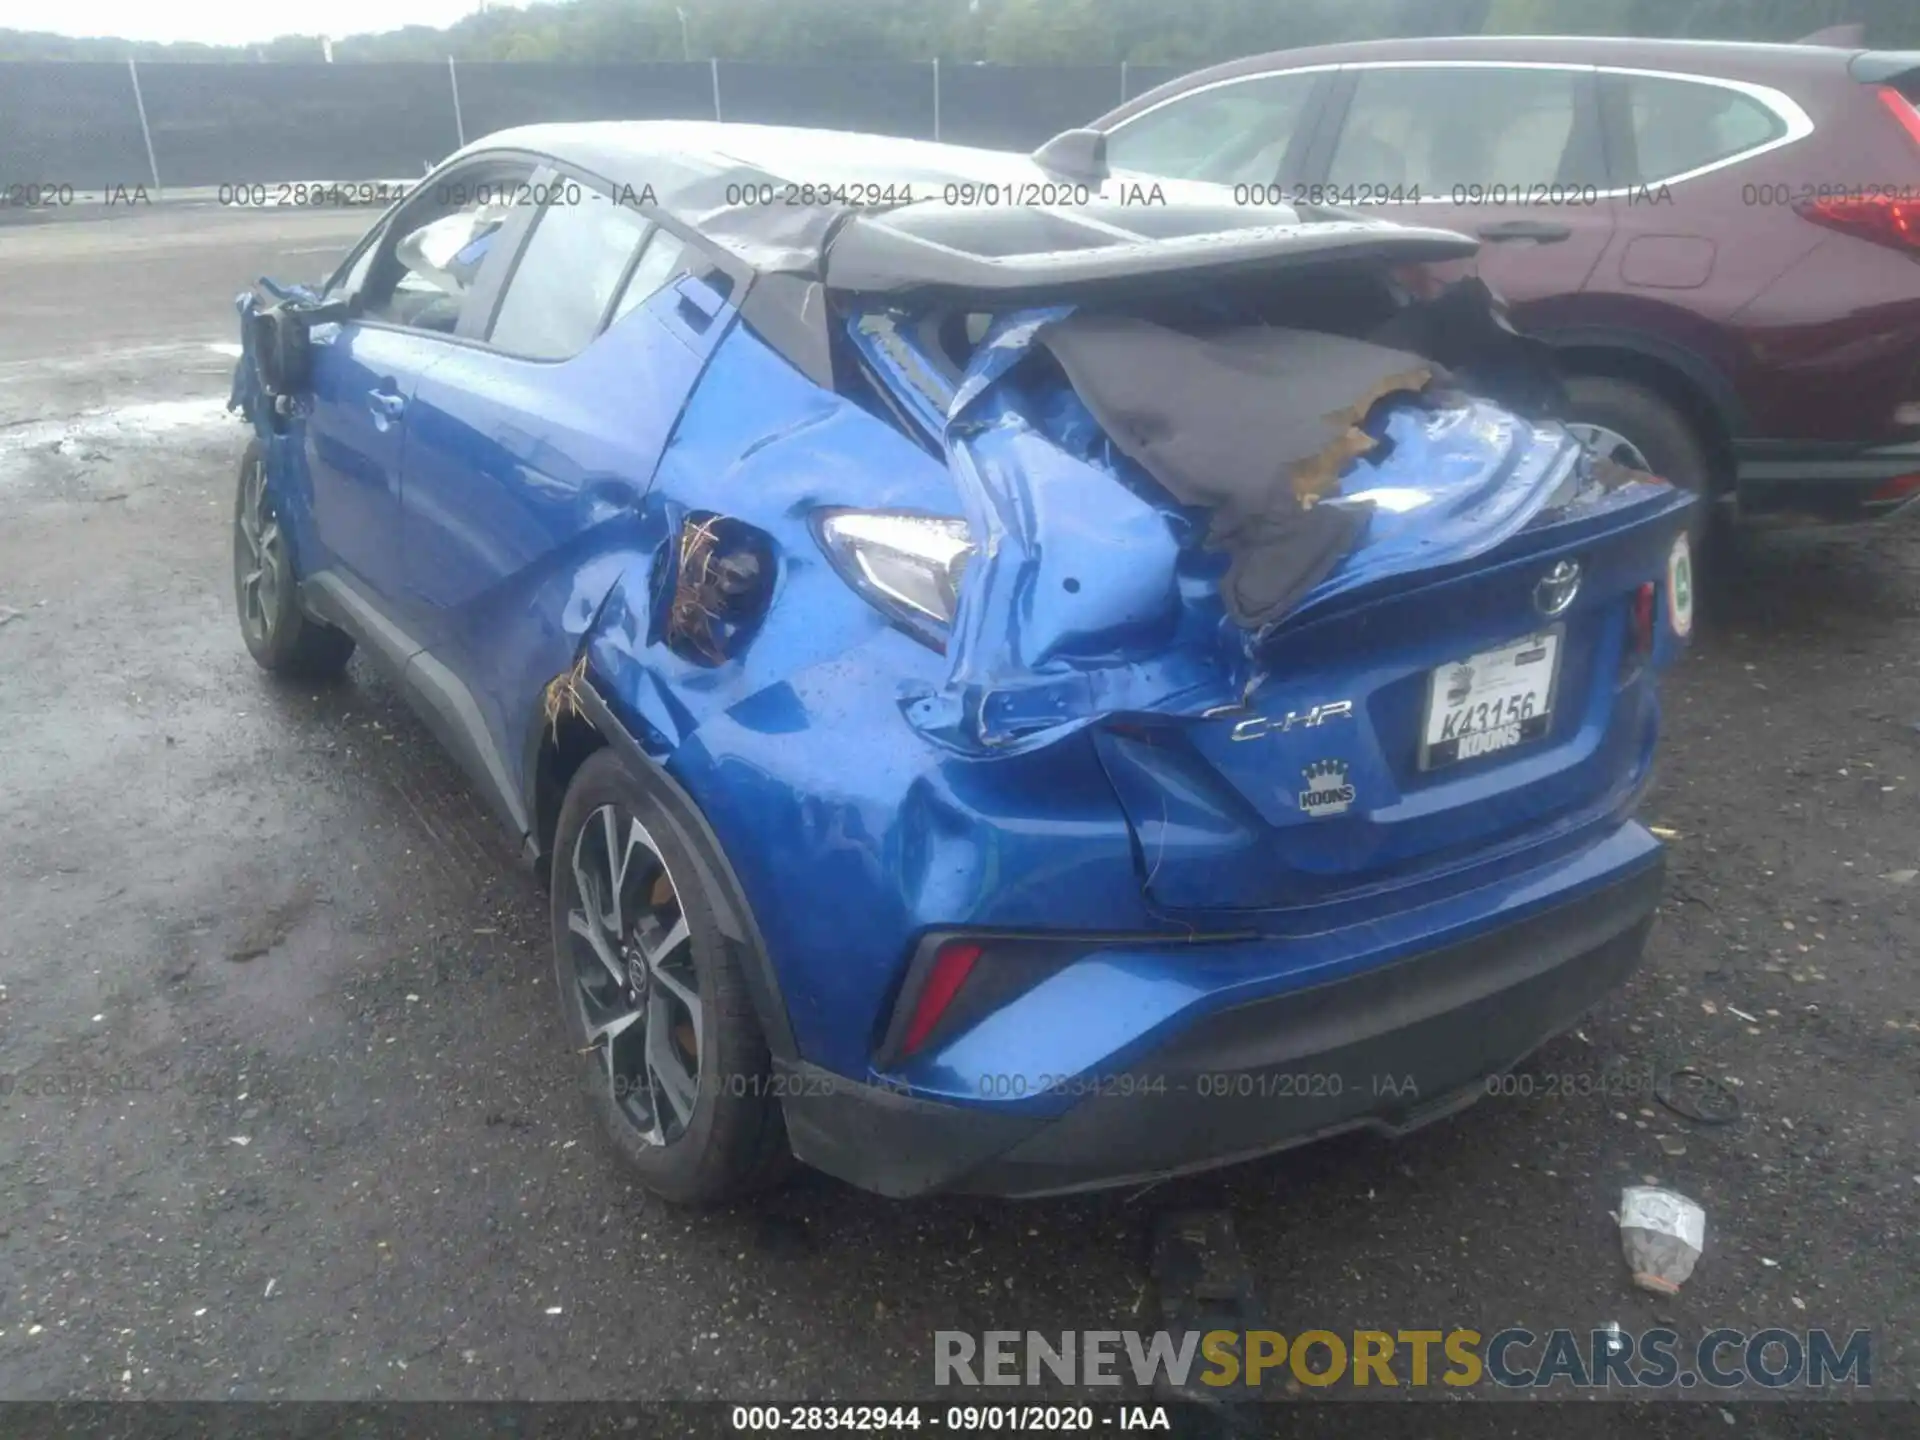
pixel 450 709
pixel 721 884
pixel 330 596
pixel 789 312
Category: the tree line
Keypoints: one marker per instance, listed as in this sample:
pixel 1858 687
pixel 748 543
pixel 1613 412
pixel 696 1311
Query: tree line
pixel 1014 32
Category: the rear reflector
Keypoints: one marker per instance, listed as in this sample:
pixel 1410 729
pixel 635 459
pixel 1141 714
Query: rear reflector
pixel 1882 218
pixel 951 966
pixel 1903 111
pixel 1643 621
pixel 1898 488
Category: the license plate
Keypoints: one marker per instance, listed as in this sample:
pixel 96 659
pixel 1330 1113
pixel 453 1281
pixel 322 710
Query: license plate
pixel 1491 701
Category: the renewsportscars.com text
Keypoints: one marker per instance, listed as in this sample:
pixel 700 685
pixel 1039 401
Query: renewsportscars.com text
pixel 1515 1358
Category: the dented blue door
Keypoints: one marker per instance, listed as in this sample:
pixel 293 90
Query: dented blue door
pixel 521 495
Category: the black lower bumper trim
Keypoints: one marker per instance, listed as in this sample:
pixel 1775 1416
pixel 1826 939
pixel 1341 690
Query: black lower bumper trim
pixel 1390 1050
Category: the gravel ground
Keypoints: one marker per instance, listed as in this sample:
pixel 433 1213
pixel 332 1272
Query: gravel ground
pixel 316 1137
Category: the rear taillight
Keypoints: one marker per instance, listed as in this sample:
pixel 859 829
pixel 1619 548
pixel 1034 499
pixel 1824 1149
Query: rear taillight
pixel 1901 487
pixel 1883 219
pixel 1903 111
pixel 951 966
pixel 1887 216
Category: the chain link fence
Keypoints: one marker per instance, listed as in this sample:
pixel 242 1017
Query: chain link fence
pixel 96 126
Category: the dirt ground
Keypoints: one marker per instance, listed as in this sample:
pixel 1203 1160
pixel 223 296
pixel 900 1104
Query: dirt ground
pixel 284 1107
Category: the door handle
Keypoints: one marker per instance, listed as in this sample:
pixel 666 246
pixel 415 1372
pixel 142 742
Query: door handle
pixel 387 406
pixel 699 303
pixel 1543 231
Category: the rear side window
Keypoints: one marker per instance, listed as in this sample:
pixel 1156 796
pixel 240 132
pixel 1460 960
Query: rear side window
pixel 1680 126
pixel 1459 126
pixel 566 276
pixel 658 264
pixel 1233 134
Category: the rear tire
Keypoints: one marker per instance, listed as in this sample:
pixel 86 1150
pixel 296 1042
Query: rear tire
pixel 282 638
pixel 655 999
pixel 1644 431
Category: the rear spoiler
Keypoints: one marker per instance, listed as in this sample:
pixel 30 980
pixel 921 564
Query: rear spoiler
pixel 881 255
pixel 1898 68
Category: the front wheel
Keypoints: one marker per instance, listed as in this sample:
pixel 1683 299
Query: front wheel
pixel 282 638
pixel 654 998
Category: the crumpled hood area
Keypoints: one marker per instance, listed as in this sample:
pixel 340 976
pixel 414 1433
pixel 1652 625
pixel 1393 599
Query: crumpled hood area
pixel 1151 505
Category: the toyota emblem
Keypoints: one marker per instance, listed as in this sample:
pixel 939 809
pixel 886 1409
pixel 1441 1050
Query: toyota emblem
pixel 1557 588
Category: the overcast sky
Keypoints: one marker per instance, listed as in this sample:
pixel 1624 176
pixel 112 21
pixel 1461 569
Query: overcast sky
pixel 225 22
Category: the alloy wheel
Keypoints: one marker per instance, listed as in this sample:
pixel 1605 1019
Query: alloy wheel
pixel 258 556
pixel 633 973
pixel 1611 445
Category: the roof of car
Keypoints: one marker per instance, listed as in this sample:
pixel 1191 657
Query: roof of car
pixel 714 176
pixel 1730 59
pixel 780 199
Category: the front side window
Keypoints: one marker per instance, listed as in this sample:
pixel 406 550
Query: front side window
pixel 1682 125
pixel 424 278
pixel 1232 134
pixel 1467 126
pixel 567 274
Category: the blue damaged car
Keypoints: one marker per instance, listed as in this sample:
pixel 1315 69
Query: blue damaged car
pixel 1016 678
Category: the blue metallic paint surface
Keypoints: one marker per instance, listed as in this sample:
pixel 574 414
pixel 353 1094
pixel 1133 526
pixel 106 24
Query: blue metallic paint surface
pixel 355 446
pixel 868 789
pixel 523 501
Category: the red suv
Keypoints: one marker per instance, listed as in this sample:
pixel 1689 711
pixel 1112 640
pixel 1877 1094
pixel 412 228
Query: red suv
pixel 1721 241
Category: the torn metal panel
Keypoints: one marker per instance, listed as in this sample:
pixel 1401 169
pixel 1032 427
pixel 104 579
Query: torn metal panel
pixel 1254 424
pixel 1137 512
pixel 1082 598
pixel 1464 328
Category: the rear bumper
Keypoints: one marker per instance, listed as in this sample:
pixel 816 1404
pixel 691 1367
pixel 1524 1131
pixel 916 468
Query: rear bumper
pixel 1388 1049
pixel 1821 482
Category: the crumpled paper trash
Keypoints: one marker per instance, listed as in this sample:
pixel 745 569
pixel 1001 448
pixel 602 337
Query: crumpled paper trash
pixel 1662 1235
